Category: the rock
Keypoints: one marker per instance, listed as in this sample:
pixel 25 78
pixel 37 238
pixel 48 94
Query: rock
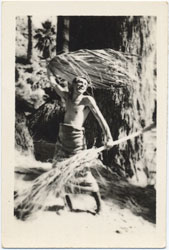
pixel 44 123
pixel 23 140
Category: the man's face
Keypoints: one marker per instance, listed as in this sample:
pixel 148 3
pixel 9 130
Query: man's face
pixel 80 86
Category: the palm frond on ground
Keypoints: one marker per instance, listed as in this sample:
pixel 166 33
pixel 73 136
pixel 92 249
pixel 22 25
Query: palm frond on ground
pixel 51 182
pixel 54 180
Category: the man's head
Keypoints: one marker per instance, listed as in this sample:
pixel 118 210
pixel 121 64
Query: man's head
pixel 80 84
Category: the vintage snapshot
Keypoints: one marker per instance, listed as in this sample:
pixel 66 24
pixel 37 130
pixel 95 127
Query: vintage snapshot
pixel 88 89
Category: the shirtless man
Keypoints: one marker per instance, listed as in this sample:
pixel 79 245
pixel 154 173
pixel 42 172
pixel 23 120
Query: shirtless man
pixel 78 107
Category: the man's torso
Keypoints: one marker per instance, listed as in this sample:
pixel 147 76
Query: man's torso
pixel 76 112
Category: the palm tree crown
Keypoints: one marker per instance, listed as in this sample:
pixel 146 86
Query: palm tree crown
pixel 45 37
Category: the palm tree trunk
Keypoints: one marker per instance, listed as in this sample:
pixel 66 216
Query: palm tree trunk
pixel 62 34
pixel 29 51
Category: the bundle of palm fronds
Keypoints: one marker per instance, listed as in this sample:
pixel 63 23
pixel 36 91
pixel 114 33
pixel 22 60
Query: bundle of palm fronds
pixel 52 182
pixel 55 180
pixel 105 68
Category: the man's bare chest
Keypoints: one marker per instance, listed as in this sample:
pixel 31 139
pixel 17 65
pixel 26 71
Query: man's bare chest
pixel 75 108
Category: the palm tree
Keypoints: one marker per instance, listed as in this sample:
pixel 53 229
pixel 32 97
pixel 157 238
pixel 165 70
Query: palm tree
pixel 29 51
pixel 45 37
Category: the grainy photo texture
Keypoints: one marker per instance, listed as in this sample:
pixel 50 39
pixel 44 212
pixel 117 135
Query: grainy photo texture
pixel 85 122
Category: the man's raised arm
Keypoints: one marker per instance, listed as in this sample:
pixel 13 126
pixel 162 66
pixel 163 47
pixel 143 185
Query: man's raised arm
pixel 98 115
pixel 59 89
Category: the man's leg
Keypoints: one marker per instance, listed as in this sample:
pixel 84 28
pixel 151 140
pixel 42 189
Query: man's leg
pixel 69 203
pixel 93 189
pixel 97 198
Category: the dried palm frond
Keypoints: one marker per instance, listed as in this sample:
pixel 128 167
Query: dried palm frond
pixel 54 181
pixel 103 68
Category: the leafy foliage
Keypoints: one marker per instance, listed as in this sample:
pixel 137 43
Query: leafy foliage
pixel 45 38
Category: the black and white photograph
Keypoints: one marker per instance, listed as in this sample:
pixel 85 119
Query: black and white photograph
pixel 85 128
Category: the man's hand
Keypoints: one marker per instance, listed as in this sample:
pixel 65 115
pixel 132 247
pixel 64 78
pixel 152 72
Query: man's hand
pixel 56 86
pixel 108 143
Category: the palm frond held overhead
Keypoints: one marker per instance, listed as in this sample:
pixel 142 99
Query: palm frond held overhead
pixel 104 68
